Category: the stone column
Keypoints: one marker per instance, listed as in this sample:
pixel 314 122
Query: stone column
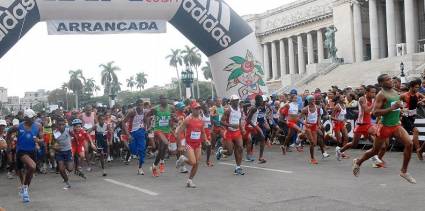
pixel 391 33
pixel 310 50
pixel 301 60
pixel 374 30
pixel 266 61
pixel 382 30
pixel 274 61
pixel 358 31
pixel 411 27
pixel 320 47
pixel 282 54
pixel 291 56
pixel 398 23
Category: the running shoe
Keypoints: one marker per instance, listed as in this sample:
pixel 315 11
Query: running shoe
pixel 183 170
pixel 314 161
pixel 109 159
pixel 21 191
pixel 161 168
pixel 239 171
pixel 180 161
pixel 190 184
pixel 140 172
pixel 88 169
pixel 155 171
pixel 80 174
pixel 219 153
pixel 338 153
pixel 356 168
pixel 25 194
pixel 268 143
pixel 67 186
pixel 10 175
pixel 325 155
pixel 249 158
pixel 104 173
pixel 210 164
pixel 262 161
pixel 408 177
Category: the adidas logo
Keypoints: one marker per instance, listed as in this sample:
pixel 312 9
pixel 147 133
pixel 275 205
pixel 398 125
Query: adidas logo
pixel 11 13
pixel 213 16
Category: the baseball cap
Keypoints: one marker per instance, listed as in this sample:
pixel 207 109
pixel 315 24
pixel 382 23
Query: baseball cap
pixel 3 122
pixel 194 105
pixel 29 113
pixel 234 97
pixel 293 92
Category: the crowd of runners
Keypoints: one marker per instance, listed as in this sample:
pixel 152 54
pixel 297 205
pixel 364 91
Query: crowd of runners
pixel 68 142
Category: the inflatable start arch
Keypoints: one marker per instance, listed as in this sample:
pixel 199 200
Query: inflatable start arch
pixel 220 33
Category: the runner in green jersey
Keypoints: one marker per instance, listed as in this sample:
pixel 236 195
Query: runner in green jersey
pixel 164 118
pixel 387 105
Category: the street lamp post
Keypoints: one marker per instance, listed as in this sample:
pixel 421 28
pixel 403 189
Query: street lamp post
pixel 402 75
pixel 187 79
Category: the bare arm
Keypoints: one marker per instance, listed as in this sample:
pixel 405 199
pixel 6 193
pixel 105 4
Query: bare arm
pixel 379 102
pixel 130 114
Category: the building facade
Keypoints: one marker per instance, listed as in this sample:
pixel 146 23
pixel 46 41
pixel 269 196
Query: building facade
pixel 31 99
pixel 293 37
pixel 3 95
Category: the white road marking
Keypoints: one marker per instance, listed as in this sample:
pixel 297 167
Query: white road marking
pixel 132 187
pixel 260 168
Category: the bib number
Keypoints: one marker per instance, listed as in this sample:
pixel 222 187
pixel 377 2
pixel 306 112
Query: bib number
pixel 163 122
pixel 195 135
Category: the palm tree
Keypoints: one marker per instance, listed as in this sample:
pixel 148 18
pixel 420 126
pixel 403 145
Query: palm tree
pixel 131 83
pixel 90 86
pixel 141 80
pixel 192 58
pixel 176 60
pixel 75 83
pixel 109 77
pixel 208 75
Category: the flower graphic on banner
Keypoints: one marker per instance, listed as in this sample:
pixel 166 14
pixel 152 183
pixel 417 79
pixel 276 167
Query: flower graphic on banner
pixel 246 72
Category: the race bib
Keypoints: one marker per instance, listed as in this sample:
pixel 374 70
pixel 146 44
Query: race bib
pixel 88 126
pixel 195 135
pixel 172 147
pixel 234 121
pixel 163 122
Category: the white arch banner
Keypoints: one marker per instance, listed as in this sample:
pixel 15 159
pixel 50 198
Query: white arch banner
pixel 220 33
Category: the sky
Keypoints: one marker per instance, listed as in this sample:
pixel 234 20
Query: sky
pixel 41 61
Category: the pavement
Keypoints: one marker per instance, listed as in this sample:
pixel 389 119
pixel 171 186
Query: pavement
pixel 283 183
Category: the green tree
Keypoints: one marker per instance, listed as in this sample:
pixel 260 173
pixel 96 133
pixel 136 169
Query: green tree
pixel 175 60
pixel 193 59
pixel 131 83
pixel 208 75
pixel 141 79
pixel 108 76
pixel 75 83
pixel 90 87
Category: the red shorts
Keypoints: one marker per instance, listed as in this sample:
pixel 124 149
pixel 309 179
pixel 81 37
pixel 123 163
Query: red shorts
pixel 362 129
pixel 311 127
pixel 172 138
pixel 158 133
pixel 385 132
pixel 232 135
pixel 47 137
pixel 193 145
pixel 291 123
pixel 77 148
pixel 208 133
pixel 338 126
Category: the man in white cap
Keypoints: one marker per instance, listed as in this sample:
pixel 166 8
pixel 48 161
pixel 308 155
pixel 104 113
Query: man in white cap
pixel 28 134
pixel 233 137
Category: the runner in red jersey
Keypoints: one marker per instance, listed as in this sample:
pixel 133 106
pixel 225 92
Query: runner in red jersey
pixel 364 121
pixel 193 127
pixel 79 138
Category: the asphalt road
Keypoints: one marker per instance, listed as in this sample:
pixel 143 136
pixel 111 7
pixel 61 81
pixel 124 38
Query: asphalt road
pixel 283 183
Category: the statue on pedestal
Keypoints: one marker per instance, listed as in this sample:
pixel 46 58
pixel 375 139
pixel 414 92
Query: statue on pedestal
pixel 330 42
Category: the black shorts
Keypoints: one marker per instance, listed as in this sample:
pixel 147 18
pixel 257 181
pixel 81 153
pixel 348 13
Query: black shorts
pixel 101 144
pixel 19 154
pixel 408 124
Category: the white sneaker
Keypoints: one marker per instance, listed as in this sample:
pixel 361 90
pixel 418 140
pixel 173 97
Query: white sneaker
pixel 112 158
pixel 88 169
pixel 375 159
pixel 140 172
pixel 183 169
pixel 109 159
pixel 408 177
pixel 180 161
pixel 10 175
pixel 338 153
pixel 190 184
pixel 325 155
